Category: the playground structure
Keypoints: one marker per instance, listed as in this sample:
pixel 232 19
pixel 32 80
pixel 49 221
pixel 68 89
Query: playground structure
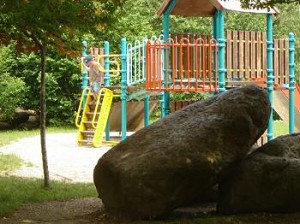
pixel 189 63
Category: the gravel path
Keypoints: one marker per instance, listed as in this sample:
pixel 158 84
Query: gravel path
pixel 66 160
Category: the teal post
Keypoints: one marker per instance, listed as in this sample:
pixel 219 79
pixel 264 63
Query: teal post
pixel 123 88
pixel 106 64
pixel 270 76
pixel 84 77
pixel 162 105
pixel 292 82
pixel 107 83
pixel 166 95
pixel 221 48
pixel 147 97
pixel 146 110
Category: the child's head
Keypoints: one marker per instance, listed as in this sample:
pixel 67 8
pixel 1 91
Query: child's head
pixel 87 60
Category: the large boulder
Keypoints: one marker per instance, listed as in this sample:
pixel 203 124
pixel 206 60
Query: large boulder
pixel 267 181
pixel 174 160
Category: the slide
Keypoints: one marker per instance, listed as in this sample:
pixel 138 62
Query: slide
pixel 281 105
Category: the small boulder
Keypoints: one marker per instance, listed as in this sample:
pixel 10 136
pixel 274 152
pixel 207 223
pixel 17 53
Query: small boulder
pixel 266 181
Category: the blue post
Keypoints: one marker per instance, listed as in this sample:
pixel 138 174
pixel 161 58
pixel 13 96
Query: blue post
pixel 165 97
pixel 147 97
pixel 270 76
pixel 123 88
pixel 292 82
pixel 146 110
pixel 221 48
pixel 106 64
pixel 84 77
pixel 166 94
pixel 107 83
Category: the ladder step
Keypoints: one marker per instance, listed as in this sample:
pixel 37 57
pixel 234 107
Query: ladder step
pixel 92 113
pixel 90 132
pixel 89 123
pixel 86 141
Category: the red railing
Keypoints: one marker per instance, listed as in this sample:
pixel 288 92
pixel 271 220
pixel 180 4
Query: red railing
pixel 181 66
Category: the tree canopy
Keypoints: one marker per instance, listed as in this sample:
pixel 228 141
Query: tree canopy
pixel 264 4
pixel 52 22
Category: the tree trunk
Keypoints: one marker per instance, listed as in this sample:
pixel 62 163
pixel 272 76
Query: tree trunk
pixel 43 116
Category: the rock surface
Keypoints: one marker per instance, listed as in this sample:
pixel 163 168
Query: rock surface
pixel 267 181
pixel 172 161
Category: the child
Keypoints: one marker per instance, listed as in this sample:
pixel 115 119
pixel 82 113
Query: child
pixel 95 76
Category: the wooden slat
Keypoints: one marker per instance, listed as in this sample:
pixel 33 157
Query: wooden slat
pixel 286 62
pixel 247 55
pixel 275 62
pixel 253 54
pixel 264 56
pixel 258 55
pixel 281 64
pixel 241 54
pixel 234 49
pixel 229 54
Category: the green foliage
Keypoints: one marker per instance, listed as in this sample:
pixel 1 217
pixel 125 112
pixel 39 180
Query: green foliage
pixel 265 4
pixel 53 23
pixel 133 20
pixel 63 90
pixel 20 85
pixel 288 21
pixel 191 25
pixel 12 88
pixel 245 21
pixel 12 91
pixel 186 96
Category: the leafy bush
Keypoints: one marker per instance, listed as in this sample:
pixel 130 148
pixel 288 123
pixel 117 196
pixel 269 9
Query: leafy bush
pixel 12 95
pixel 20 84
pixel 188 96
pixel 13 89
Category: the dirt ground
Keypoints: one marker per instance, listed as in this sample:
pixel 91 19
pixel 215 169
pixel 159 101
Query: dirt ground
pixel 86 210
pixel 90 210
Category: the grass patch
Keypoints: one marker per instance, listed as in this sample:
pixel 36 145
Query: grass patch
pixel 10 162
pixel 10 136
pixel 280 128
pixel 17 191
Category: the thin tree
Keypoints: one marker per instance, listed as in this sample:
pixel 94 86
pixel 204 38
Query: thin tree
pixel 44 24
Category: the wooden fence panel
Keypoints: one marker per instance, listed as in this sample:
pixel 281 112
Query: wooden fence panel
pixel 246 55
pixel 281 61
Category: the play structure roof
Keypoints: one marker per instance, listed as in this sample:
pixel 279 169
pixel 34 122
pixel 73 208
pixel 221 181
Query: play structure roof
pixel 205 8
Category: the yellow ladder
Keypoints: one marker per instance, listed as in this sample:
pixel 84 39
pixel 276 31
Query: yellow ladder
pixel 92 120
